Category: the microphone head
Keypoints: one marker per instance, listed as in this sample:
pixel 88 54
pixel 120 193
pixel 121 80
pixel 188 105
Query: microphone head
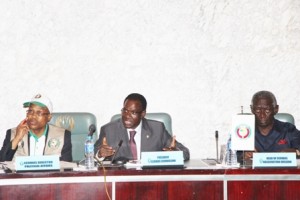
pixel 92 129
pixel 217 135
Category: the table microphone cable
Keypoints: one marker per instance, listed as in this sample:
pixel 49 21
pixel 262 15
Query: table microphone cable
pixel 100 163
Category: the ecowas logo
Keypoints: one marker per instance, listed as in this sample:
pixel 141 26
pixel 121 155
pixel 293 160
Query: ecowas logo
pixel 243 131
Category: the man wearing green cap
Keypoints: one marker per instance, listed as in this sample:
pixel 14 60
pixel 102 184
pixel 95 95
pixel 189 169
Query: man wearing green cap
pixel 34 136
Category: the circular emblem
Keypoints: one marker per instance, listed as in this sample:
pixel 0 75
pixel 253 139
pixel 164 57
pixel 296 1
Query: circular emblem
pixel 243 131
pixel 53 143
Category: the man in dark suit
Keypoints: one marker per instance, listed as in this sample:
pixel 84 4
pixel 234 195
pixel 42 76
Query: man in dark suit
pixel 150 135
pixel 271 135
pixel 34 136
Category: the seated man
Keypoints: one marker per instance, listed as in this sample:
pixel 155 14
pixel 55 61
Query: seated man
pixel 271 135
pixel 149 135
pixel 34 136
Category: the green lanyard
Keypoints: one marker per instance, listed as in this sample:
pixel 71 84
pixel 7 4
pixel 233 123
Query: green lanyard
pixel 34 135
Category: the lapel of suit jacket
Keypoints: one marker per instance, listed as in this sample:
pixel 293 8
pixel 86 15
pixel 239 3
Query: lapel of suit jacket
pixel 146 133
pixel 124 135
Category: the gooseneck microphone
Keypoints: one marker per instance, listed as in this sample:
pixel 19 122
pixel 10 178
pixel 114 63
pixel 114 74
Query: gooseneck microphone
pixel 114 156
pixel 217 145
pixel 92 130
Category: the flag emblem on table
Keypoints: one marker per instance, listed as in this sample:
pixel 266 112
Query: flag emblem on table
pixel 242 132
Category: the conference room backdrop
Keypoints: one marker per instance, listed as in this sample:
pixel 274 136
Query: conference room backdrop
pixel 198 60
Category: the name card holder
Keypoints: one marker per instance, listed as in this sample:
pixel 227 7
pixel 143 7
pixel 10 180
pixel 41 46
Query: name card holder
pixel 274 160
pixel 162 159
pixel 37 163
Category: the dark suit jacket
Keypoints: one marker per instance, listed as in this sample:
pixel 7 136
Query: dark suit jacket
pixel 154 137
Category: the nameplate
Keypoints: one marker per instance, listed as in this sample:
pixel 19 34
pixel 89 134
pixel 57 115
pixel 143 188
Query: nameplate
pixel 37 163
pixel 162 158
pixel 278 159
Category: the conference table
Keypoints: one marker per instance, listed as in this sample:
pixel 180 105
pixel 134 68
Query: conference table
pixel 198 180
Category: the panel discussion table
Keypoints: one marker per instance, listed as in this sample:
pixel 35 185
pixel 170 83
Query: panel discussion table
pixel 197 180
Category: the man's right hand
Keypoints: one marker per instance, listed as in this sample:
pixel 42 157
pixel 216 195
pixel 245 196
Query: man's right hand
pixel 249 154
pixel 105 150
pixel 22 130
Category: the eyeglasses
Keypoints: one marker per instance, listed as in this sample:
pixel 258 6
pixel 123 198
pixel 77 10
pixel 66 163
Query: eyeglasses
pixel 258 110
pixel 37 113
pixel 131 112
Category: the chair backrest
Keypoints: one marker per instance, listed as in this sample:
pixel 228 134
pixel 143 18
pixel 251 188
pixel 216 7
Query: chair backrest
pixel 162 117
pixel 78 123
pixel 285 117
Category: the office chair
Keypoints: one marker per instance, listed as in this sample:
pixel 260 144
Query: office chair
pixel 162 117
pixel 78 123
pixel 285 117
